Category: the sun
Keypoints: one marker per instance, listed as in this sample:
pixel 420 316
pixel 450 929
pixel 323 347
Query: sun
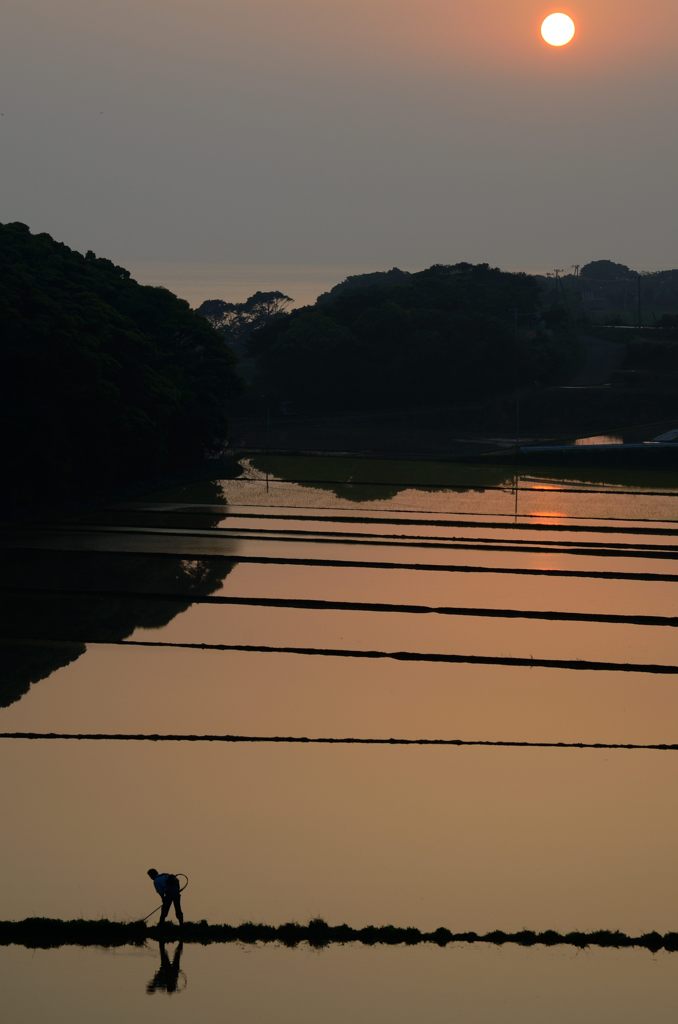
pixel 558 29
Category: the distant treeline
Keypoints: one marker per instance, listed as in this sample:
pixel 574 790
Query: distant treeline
pixel 464 338
pixel 103 381
pixel 605 292
pixel 442 336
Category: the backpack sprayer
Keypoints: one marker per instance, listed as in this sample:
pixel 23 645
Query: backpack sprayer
pixel 177 874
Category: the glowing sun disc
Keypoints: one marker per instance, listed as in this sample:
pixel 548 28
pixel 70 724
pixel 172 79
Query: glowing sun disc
pixel 558 29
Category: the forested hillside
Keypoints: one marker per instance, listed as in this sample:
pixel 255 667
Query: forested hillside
pixel 103 380
pixel 446 334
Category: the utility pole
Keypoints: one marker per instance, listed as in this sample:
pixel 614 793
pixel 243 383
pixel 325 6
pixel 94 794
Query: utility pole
pixel 515 374
pixel 640 300
pixel 559 284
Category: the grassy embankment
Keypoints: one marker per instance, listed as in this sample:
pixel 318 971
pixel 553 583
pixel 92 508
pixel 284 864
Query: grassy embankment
pixel 46 933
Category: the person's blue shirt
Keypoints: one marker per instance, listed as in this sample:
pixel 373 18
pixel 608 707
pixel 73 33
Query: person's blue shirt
pixel 161 883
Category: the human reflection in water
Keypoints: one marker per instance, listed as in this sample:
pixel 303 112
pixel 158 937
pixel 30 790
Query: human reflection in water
pixel 169 977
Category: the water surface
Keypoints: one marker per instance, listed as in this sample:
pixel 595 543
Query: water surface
pixel 474 984
pixel 470 838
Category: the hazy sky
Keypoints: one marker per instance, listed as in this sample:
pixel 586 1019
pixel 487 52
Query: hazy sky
pixel 344 132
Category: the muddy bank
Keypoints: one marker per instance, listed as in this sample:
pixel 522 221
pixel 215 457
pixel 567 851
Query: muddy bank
pixel 46 933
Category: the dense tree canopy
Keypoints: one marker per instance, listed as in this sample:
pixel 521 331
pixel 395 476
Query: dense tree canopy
pixel 605 270
pixel 607 292
pixel 103 380
pixel 435 336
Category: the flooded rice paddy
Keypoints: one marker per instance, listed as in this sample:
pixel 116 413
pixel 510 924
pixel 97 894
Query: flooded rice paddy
pixel 347 600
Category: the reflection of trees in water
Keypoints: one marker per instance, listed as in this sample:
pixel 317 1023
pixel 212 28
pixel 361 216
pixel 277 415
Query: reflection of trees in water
pixel 23 665
pixel 169 977
pixel 102 618
pixel 72 619
pixel 363 480
pixel 634 477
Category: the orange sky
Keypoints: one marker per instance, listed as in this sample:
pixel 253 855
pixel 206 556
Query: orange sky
pixel 353 132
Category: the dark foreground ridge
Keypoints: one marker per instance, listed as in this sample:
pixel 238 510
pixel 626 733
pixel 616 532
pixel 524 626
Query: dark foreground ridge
pixel 48 933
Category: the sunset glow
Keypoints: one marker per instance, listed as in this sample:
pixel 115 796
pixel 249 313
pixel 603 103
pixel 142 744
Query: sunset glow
pixel 558 29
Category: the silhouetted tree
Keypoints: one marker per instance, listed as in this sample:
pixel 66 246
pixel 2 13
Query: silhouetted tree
pixel 238 320
pixel 605 270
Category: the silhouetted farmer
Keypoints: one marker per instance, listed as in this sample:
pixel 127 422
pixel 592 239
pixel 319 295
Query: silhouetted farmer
pixel 169 891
